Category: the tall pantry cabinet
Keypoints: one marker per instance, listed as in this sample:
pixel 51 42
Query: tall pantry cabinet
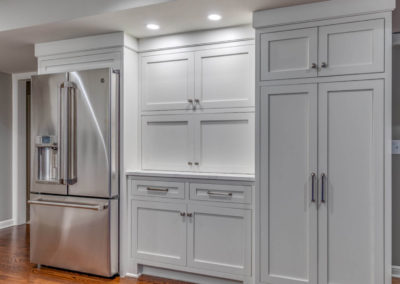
pixel 322 130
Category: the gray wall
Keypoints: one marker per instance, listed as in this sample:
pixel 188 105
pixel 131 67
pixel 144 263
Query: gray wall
pixel 5 147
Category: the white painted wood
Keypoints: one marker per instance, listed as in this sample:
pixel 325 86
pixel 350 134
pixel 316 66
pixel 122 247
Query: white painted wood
pixel 320 11
pixel 288 133
pixel 220 193
pixel 159 232
pixel 352 48
pixel 225 77
pixel 224 143
pixel 289 54
pixel 219 239
pixel 396 271
pixel 167 142
pixel 164 189
pixel 7 223
pixel 167 81
pixel 351 222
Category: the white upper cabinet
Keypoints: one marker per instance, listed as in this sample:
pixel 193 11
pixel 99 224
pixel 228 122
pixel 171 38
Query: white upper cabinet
pixel 167 81
pixel 224 142
pixel 289 54
pixel 352 48
pixel 339 49
pixel 167 142
pixel 225 77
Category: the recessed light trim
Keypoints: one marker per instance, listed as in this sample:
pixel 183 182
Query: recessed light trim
pixel 153 27
pixel 214 17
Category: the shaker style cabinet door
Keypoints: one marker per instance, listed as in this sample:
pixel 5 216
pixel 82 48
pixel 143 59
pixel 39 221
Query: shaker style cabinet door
pixel 167 142
pixel 219 239
pixel 289 54
pixel 352 48
pixel 167 82
pixel 224 143
pixel 288 184
pixel 351 147
pixel 159 232
pixel 225 77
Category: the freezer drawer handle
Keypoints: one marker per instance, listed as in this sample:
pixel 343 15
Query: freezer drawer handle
pixel 96 207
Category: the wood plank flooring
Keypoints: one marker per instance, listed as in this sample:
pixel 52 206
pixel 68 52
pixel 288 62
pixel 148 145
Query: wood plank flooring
pixel 15 267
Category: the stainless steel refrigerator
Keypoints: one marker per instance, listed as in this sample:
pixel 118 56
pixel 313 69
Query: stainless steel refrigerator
pixel 75 171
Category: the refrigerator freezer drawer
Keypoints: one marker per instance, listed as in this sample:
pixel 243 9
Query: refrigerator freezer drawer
pixel 75 233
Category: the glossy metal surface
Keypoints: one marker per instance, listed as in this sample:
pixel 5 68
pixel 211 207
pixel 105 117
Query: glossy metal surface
pixel 96 133
pixel 71 233
pixel 45 121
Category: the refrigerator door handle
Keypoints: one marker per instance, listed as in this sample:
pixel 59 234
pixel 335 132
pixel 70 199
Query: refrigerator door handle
pixel 68 133
pixel 79 205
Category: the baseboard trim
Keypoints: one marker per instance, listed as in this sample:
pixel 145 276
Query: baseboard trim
pixel 396 271
pixel 6 223
pixel 132 275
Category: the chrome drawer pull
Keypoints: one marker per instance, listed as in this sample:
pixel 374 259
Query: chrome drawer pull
pixel 312 187
pixel 213 193
pixel 157 189
pixel 97 207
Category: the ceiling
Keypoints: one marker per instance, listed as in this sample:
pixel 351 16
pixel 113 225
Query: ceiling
pixel 174 16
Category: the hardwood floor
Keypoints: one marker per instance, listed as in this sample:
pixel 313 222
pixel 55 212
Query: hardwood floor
pixel 396 281
pixel 15 266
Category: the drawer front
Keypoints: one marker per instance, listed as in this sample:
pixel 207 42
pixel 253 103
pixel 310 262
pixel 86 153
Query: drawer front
pixel 165 189
pixel 220 193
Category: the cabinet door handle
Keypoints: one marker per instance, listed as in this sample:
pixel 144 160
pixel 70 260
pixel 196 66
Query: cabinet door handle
pixel 313 187
pixel 323 185
pixel 196 163
pixel 190 101
pixel 324 65
pixel 183 214
pixel 197 101
pixel 190 163
pixel 222 194
pixel 157 189
pixel 189 214
pixel 314 66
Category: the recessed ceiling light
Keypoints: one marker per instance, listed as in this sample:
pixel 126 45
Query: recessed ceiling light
pixel 214 17
pixel 153 26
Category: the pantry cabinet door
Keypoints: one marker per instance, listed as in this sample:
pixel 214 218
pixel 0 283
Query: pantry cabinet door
pixel 167 142
pixel 352 48
pixel 288 217
pixel 351 209
pixel 289 54
pixel 225 77
pixel 219 239
pixel 224 143
pixel 159 232
pixel 167 81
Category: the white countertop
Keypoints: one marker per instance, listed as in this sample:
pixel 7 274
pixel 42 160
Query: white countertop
pixel 213 176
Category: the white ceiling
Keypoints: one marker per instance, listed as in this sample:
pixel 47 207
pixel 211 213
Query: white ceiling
pixel 16 46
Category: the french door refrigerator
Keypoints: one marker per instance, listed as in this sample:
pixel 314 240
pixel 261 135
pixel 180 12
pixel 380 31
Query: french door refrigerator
pixel 75 171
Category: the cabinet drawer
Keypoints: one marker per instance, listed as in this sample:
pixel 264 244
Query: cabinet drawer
pixel 220 192
pixel 165 189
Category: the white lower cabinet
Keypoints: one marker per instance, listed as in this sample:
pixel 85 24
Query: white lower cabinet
pixel 159 232
pixel 210 236
pixel 219 239
pixel 322 184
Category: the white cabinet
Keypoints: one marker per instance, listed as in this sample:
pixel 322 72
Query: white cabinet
pixel 225 77
pixel 338 49
pixel 167 81
pixel 288 160
pixel 224 142
pixel 332 212
pixel 351 143
pixel 289 54
pixel 219 239
pixel 352 48
pixel 167 142
pixel 221 143
pixel 159 232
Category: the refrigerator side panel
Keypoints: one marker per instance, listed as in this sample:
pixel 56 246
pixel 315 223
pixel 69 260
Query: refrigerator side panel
pixel 45 134
pixel 93 133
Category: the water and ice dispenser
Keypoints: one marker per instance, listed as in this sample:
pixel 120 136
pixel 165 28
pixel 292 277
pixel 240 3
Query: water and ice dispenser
pixel 47 159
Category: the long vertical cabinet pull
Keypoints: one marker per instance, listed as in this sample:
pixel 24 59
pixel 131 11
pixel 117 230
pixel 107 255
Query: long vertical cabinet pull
pixel 323 185
pixel 313 187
